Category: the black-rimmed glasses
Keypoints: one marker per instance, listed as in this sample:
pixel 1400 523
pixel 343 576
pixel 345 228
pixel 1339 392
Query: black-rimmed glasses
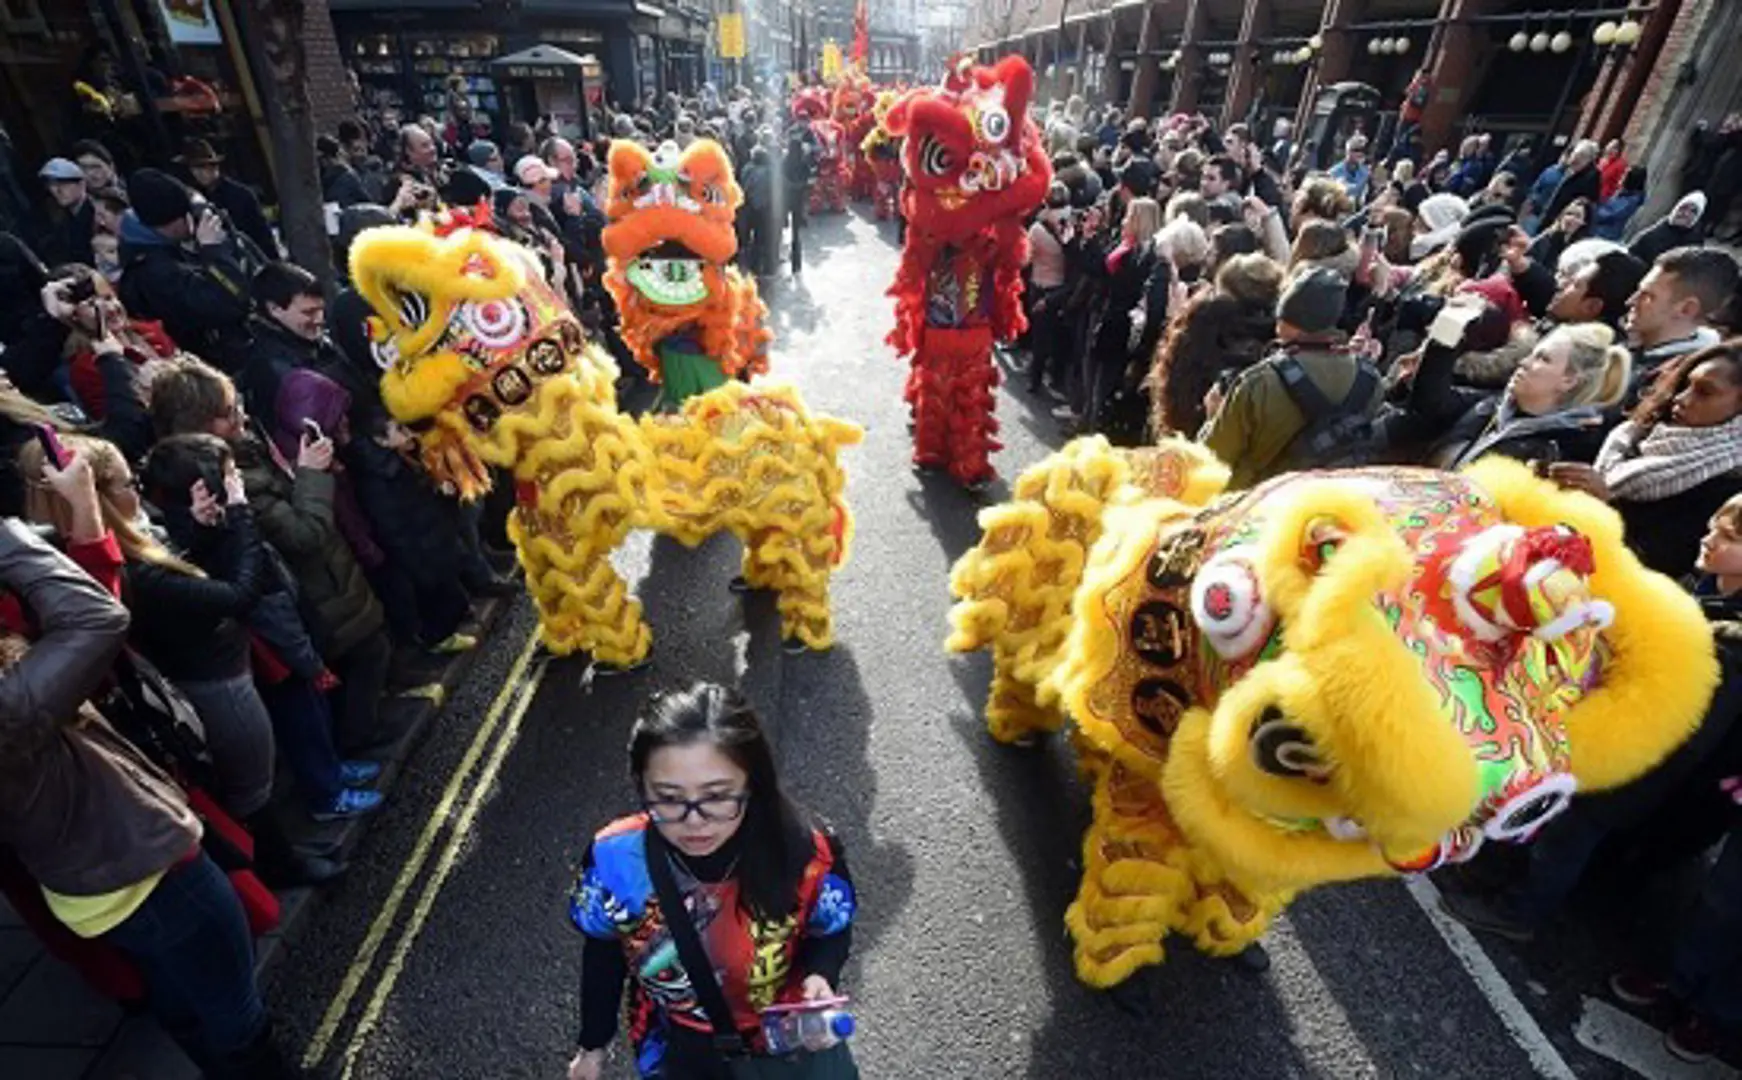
pixel 714 808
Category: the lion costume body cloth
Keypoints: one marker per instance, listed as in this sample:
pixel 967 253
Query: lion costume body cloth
pixel 487 364
pixel 686 313
pixel 974 167
pixel 1333 676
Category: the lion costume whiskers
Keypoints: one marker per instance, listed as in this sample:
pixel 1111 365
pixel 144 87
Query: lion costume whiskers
pixel 1332 676
pixel 484 361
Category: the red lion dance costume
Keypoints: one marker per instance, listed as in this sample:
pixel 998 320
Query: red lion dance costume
pixel 975 167
pixel 829 192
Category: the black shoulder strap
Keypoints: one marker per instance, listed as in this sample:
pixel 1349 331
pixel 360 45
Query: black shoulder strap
pixel 1307 396
pixel 700 969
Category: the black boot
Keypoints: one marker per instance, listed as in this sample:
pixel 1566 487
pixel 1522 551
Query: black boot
pixel 261 1059
pixel 280 864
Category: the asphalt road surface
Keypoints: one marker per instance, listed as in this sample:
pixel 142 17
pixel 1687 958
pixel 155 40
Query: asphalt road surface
pixel 448 953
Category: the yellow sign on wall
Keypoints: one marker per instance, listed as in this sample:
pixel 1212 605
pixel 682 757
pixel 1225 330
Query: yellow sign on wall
pixel 831 59
pixel 732 36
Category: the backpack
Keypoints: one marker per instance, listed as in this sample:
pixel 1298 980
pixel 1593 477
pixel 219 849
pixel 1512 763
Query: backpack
pixel 1335 436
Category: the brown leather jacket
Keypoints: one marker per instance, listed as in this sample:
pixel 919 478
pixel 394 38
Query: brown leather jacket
pixel 85 811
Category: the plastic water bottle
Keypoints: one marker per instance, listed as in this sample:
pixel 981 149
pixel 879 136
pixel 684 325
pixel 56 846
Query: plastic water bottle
pixel 813 1030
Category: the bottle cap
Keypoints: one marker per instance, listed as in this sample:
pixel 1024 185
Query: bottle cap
pixel 843 1025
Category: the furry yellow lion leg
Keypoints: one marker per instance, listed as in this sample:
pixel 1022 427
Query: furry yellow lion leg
pixel 1012 711
pixel 1136 877
pixel 583 604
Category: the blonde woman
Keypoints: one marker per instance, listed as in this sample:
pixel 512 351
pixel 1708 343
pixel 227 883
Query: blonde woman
pixel 1128 271
pixel 1551 410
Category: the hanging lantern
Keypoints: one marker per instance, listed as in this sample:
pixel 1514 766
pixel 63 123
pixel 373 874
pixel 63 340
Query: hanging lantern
pixel 1400 45
pixel 1627 33
pixel 1316 42
pixel 1561 42
pixel 1304 54
pixel 1604 35
pixel 1539 41
pixel 1519 42
pixel 1373 47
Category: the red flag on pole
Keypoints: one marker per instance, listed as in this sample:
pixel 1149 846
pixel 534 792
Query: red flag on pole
pixel 861 36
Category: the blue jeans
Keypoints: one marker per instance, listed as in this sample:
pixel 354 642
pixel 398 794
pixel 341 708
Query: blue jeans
pixel 303 722
pixel 239 735
pixel 191 942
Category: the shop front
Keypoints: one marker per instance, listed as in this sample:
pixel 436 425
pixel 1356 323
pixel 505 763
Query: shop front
pixel 406 54
pixel 141 76
pixel 545 81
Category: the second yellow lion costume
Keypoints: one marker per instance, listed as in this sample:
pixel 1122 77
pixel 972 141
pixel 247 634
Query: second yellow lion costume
pixel 1332 676
pixel 490 368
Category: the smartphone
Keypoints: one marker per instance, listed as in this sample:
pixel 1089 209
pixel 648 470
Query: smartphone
pixel 1373 238
pixel 312 429
pixel 51 446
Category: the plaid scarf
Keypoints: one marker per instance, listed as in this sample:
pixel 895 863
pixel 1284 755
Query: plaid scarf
pixel 1644 466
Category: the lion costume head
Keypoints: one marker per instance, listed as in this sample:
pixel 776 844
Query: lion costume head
pixel 971 152
pixel 668 248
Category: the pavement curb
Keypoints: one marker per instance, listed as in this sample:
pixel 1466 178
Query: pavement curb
pixel 296 904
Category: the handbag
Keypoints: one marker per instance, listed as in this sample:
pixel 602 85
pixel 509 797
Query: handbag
pixel 835 1063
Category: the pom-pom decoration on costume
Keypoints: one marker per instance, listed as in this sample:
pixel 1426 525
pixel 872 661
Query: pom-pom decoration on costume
pixel 486 364
pixel 975 168
pixel 686 313
pixel 1335 675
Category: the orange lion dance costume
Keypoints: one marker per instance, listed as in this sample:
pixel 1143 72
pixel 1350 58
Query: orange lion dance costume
pixel 975 167
pixel 688 316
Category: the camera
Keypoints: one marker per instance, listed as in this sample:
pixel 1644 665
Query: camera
pixel 78 290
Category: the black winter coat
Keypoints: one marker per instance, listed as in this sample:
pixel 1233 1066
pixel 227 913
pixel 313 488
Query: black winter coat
pixel 201 298
pixel 1460 424
pixel 192 627
pixel 1666 533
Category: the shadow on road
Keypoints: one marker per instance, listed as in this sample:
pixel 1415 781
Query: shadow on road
pixel 824 724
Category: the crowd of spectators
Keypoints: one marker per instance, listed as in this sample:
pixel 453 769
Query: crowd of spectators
pixel 222 557
pixel 1200 283
pixel 222 553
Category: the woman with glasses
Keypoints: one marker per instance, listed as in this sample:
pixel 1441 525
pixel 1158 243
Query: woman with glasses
pixel 766 891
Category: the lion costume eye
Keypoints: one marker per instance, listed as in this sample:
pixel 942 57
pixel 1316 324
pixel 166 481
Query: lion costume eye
pixel 935 158
pixel 994 124
pixel 1228 607
pixel 1283 748
pixel 497 324
pixel 1521 815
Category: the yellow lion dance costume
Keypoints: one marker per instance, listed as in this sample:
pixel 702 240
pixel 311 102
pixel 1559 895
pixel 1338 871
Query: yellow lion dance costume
pixel 1332 676
pixel 690 318
pixel 486 363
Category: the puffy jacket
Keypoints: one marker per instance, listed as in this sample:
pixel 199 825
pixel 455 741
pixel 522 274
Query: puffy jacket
pixel 295 511
pixel 85 811
pixel 192 627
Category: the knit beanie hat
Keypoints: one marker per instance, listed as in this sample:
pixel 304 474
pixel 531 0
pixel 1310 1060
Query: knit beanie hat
pixel 158 198
pixel 1312 300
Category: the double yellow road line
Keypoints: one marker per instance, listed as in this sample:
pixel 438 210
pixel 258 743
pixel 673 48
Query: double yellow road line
pixel 506 712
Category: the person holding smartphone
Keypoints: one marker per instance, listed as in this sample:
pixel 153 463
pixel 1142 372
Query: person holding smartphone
pixel 765 890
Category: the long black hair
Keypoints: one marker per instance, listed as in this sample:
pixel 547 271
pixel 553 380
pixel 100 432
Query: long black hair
pixel 775 839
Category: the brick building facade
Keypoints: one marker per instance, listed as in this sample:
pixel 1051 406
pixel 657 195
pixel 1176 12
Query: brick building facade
pixel 1508 67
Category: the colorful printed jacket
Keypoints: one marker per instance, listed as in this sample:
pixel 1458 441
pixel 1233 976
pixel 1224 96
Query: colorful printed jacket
pixel 755 962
